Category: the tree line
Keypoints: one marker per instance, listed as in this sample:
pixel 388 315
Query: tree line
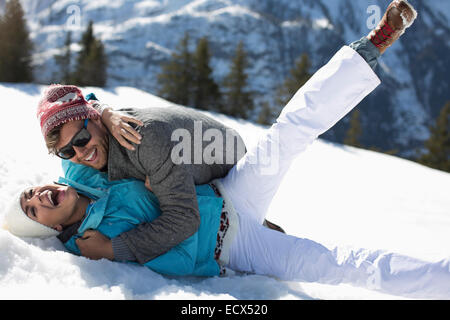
pixel 90 64
pixel 436 151
pixel 187 79
pixel 16 51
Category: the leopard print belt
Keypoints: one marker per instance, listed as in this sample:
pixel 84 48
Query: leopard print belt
pixel 223 228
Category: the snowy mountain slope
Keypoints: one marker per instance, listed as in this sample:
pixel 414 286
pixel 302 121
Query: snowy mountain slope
pixel 140 35
pixel 350 198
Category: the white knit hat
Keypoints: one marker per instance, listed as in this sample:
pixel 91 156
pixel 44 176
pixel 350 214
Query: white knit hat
pixel 19 224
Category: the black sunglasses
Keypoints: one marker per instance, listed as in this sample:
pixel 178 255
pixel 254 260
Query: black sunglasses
pixel 80 139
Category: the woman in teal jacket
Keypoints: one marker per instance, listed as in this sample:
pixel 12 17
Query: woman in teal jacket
pixel 122 205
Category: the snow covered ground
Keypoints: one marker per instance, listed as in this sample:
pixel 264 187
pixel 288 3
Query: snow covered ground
pixel 335 195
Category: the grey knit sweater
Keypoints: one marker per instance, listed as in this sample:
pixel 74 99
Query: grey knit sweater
pixel 174 165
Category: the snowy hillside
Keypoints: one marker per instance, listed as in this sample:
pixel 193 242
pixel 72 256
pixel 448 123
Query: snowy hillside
pixel 139 35
pixel 336 195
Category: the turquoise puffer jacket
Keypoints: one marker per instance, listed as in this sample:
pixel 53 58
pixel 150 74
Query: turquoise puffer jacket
pixel 121 205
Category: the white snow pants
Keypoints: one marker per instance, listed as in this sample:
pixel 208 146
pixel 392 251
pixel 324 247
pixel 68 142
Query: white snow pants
pixel 327 97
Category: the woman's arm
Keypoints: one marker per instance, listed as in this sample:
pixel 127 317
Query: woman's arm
pixel 179 261
pixel 117 123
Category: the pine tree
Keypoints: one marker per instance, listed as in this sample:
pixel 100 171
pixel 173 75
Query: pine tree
pixel 205 91
pixel 266 115
pixel 438 145
pixel 97 58
pixel 15 45
pixel 176 77
pixel 355 131
pixel 238 100
pixel 63 61
pixel 298 76
pixel 91 61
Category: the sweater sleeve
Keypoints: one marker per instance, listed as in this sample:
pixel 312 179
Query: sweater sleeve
pixel 121 250
pixel 174 187
pixel 178 221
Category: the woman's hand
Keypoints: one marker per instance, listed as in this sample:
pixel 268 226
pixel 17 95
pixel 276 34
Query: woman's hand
pixel 95 246
pixel 118 126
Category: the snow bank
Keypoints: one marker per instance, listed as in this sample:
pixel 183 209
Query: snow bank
pixel 335 195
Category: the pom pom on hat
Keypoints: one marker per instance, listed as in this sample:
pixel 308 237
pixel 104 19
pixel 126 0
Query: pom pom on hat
pixel 19 224
pixel 60 104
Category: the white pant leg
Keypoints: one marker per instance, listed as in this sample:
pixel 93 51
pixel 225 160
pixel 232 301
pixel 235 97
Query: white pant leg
pixel 328 96
pixel 260 250
pixel 263 251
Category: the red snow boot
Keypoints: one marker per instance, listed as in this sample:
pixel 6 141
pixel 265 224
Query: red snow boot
pixel 399 15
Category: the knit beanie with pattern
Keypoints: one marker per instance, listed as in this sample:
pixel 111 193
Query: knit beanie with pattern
pixel 63 103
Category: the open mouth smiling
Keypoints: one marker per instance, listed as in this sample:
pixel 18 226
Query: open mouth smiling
pixel 92 156
pixel 52 197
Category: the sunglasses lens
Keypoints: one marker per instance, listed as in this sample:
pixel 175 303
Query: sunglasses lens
pixel 66 153
pixel 81 139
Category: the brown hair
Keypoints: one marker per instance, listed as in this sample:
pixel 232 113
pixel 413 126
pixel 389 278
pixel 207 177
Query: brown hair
pixel 52 138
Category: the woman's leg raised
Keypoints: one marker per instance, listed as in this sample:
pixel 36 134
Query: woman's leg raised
pixel 328 96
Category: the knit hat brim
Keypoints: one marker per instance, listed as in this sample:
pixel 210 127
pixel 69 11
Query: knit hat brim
pixel 19 224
